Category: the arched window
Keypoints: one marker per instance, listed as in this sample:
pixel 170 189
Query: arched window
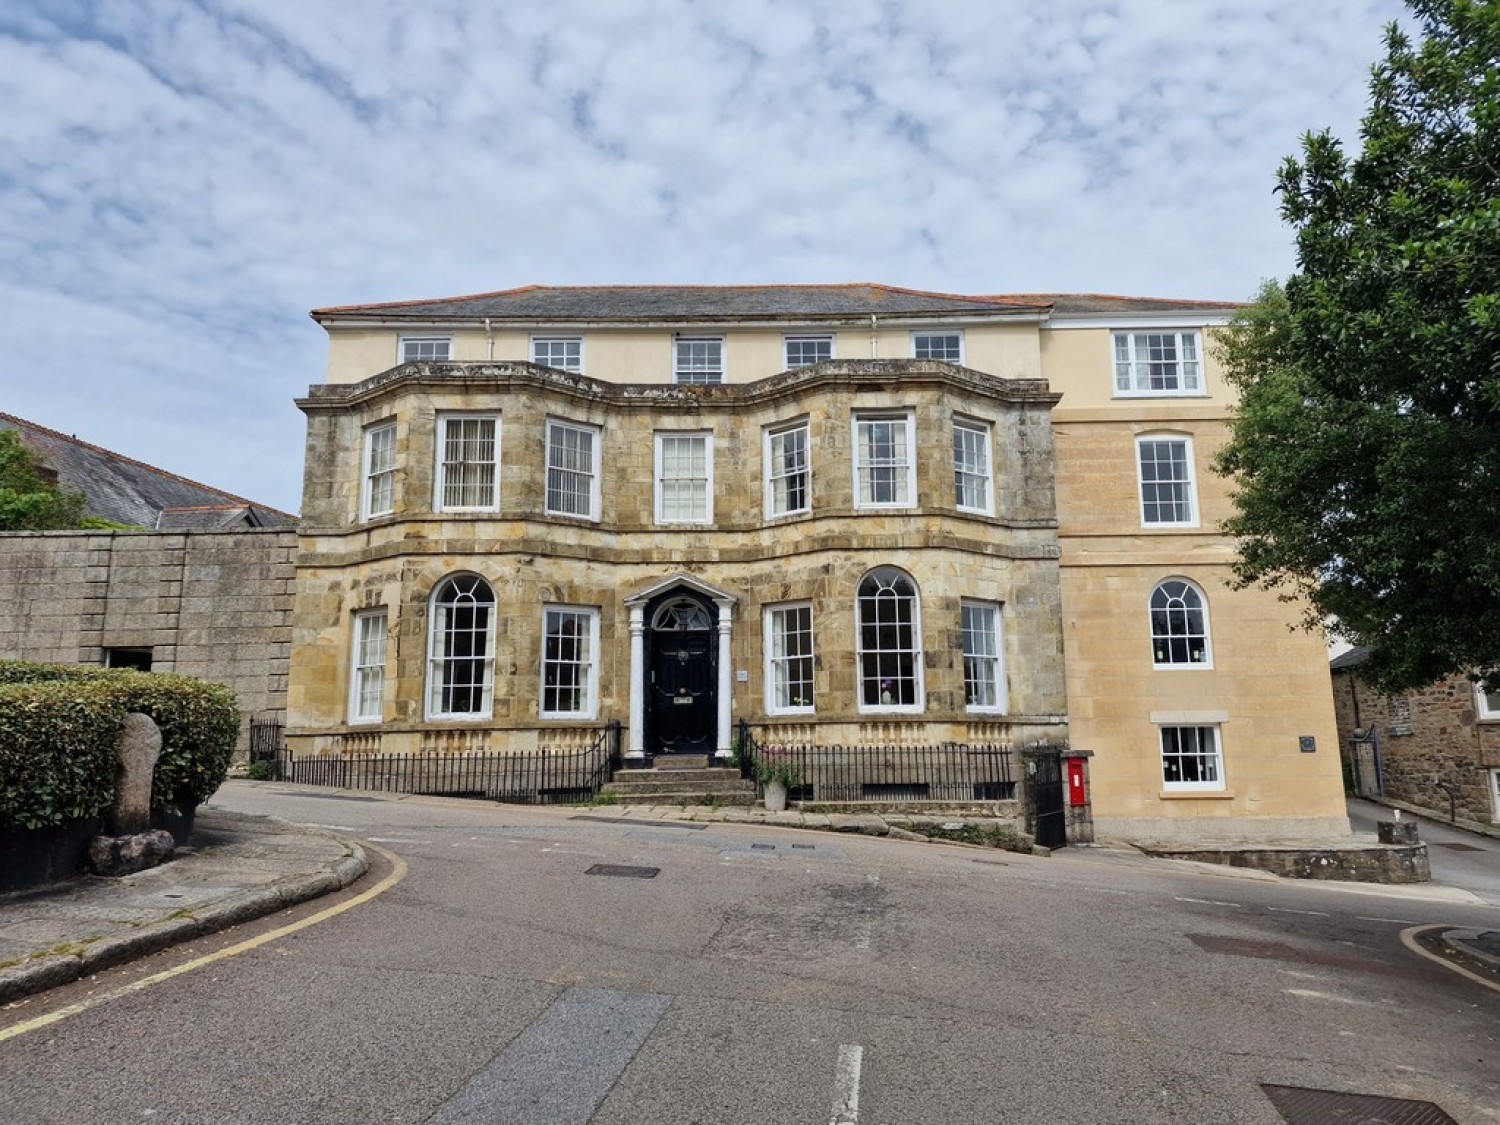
pixel 461 649
pixel 890 642
pixel 1179 625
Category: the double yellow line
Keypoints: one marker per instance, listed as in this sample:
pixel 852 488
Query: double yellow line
pixel 398 872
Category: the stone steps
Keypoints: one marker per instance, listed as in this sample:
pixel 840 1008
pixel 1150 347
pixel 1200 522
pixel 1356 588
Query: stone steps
pixel 681 784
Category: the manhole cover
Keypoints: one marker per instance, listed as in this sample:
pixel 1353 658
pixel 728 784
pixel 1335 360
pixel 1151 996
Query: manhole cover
pixel 1457 847
pixel 623 870
pixel 1300 1106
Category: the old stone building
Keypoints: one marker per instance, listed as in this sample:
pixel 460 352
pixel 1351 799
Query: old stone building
pixel 1437 750
pixel 850 515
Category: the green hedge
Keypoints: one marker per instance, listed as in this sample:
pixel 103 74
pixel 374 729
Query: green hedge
pixel 60 725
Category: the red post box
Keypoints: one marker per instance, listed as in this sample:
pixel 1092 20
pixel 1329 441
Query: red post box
pixel 1076 795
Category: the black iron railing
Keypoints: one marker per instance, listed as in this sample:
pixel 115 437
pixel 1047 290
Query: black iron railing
pixel 946 772
pixel 541 777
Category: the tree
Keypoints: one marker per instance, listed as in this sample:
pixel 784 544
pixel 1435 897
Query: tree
pixel 1366 445
pixel 29 501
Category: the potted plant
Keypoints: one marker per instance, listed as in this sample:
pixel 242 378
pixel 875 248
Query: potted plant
pixel 777 771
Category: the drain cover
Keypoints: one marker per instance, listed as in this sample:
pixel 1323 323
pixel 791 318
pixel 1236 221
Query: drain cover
pixel 805 847
pixel 1299 1106
pixel 764 847
pixel 1457 847
pixel 623 870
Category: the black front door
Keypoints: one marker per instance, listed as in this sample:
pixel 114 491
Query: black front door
pixel 681 706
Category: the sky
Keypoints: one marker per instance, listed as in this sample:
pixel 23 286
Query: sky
pixel 182 180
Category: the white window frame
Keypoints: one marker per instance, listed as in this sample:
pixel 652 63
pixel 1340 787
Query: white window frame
pixel 773 468
pixel 1495 795
pixel 1484 711
pixel 591 473
pixel 424 343
pixel 695 372
pixel 778 662
pixel 379 477
pixel 1217 757
pixel 994 633
pixel 932 333
pixel 438 660
pixel 1133 374
pixel 662 437
pixel 440 476
pixel 1163 642
pixel 986 473
pixel 805 338
pixel 588 665
pixel 367 657
pixel 1190 483
pixel 880 707
pixel 908 467
pixel 575 366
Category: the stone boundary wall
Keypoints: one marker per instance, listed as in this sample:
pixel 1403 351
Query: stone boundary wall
pixel 1431 742
pixel 216 605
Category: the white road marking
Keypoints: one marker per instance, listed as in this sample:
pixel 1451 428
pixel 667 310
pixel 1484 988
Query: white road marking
pixel 1310 913
pixel 1397 921
pixel 846 1085
pixel 1207 902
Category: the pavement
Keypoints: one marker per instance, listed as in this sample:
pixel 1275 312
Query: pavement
pixel 237 868
pixel 241 867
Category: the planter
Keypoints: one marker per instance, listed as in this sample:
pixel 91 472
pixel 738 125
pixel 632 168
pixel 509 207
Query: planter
pixel 775 796
pixel 35 857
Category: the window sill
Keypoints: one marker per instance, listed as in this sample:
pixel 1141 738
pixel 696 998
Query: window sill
pixel 1119 394
pixel 1197 795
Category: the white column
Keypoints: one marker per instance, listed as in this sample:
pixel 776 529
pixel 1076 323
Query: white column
pixel 726 680
pixel 637 683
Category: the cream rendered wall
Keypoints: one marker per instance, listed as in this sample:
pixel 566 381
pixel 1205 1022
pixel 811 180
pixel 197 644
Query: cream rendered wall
pixel 645 355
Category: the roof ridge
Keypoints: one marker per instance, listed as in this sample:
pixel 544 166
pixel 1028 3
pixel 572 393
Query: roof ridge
pixel 242 501
pixel 1182 301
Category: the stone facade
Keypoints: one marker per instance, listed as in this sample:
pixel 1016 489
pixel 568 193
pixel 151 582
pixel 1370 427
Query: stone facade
pixel 215 605
pixel 1074 395
pixel 533 559
pixel 1434 749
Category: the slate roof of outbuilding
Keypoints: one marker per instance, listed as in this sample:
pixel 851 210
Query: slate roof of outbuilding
pixel 1351 659
pixel 749 302
pixel 124 490
pixel 685 302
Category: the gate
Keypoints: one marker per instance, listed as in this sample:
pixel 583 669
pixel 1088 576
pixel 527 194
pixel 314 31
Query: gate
pixel 1044 785
pixel 267 746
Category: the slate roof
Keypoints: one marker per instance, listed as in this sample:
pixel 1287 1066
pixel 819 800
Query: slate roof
pixel 686 302
pixel 1105 304
pixel 123 490
pixel 1351 659
pixel 749 302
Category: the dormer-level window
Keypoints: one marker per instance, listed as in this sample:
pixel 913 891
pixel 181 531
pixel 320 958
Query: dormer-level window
pixel 562 352
pixel 1158 363
pixel 426 349
pixel 804 351
pixel 947 346
pixel 698 359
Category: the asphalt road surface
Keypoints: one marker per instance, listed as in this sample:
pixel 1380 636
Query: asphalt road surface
pixel 762 975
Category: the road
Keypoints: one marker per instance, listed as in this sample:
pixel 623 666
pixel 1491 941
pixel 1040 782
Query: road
pixel 1457 858
pixel 767 975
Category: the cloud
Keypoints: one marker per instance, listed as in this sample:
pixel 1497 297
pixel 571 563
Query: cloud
pixel 180 182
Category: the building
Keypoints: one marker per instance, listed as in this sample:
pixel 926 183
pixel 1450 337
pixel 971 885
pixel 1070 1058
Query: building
pixel 850 515
pixel 204 589
pixel 1436 750
pixel 125 491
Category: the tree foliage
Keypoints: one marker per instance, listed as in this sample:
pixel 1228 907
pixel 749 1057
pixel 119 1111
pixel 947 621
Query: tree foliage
pixel 29 500
pixel 1366 445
